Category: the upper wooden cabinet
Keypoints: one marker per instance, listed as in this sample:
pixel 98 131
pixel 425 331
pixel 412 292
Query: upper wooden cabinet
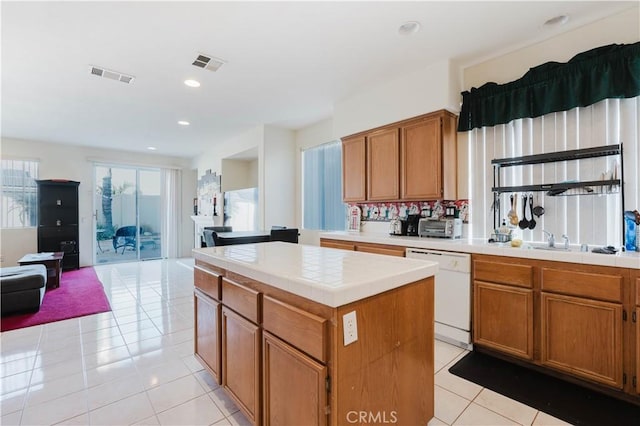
pixel 429 158
pixel 383 165
pixel 354 162
pixel 414 159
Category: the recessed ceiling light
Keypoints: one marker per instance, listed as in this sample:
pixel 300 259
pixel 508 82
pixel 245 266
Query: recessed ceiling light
pixel 408 28
pixel 192 83
pixel 557 21
pixel 183 123
pixel 151 148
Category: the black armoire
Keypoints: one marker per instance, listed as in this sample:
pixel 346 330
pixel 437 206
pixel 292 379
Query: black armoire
pixel 58 220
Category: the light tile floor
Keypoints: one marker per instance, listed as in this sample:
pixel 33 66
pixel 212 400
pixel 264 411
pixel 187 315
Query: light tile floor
pixel 135 365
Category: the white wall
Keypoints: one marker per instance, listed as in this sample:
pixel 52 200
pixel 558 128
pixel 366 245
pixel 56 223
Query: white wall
pixel 408 95
pixel 617 29
pixel 277 168
pixel 60 161
pixel 237 175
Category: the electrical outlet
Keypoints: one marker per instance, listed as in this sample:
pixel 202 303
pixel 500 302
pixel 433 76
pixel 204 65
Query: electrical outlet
pixel 350 326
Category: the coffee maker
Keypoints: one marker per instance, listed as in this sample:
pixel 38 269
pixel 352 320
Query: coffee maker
pixel 412 224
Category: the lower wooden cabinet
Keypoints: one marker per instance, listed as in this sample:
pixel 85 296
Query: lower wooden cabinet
pixel 582 337
pixel 573 319
pixel 241 359
pixel 503 318
pixel 207 333
pixel 295 388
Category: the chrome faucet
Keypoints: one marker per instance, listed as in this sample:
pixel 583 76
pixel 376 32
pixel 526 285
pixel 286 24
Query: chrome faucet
pixel 551 240
pixel 566 241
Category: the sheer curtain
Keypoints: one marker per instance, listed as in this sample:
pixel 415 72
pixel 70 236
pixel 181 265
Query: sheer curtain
pixel 172 214
pixel 323 208
pixel 591 219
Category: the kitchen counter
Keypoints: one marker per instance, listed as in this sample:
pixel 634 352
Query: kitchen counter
pixel 329 332
pixel 481 246
pixel 327 276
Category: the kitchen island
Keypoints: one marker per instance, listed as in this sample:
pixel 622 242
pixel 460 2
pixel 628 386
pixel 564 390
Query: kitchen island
pixel 301 334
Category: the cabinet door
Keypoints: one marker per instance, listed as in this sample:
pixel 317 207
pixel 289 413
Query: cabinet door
pixel 383 165
pixel 637 324
pixel 582 337
pixel 503 318
pixel 294 386
pixel 241 362
pixel 421 148
pixel 207 333
pixel 354 169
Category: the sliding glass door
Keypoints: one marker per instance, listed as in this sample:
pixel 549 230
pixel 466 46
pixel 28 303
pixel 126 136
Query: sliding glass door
pixel 127 213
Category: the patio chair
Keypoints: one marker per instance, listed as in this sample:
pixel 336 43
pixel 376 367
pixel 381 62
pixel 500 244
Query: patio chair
pixel 125 237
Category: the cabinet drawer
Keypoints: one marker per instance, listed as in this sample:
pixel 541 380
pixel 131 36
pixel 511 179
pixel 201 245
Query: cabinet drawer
pixel 241 299
pixel 207 281
pixel 503 273
pixel 344 245
pixel 301 329
pixel 585 284
pixel 380 249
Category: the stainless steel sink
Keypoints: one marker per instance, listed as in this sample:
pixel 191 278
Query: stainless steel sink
pixel 551 248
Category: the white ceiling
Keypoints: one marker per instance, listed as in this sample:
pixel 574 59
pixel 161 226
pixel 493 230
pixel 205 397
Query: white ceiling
pixel 287 62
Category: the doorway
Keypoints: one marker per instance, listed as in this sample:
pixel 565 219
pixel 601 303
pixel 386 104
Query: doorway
pixel 127 213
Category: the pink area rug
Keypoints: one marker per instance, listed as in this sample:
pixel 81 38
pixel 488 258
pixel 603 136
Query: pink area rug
pixel 80 293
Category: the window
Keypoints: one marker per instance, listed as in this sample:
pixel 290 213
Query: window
pixel 18 193
pixel 323 208
pixel 591 219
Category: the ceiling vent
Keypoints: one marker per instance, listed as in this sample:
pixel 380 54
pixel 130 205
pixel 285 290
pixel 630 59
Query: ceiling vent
pixel 112 75
pixel 208 62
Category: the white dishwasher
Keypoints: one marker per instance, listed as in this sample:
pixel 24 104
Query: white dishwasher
pixel 452 294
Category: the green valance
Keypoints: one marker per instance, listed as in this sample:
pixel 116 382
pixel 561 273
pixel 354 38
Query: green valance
pixel 602 73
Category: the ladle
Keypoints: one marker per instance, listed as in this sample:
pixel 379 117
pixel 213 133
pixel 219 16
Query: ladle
pixel 532 222
pixel 524 223
pixel 538 210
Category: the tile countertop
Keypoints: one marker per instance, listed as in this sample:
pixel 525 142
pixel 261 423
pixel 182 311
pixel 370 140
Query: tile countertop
pixel 332 277
pixel 481 246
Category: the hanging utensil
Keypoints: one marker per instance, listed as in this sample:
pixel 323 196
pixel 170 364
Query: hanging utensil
pixel 532 222
pixel 538 210
pixel 524 223
pixel 513 214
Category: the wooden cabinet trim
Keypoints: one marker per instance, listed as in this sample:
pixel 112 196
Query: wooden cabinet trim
pixel 301 329
pixel 638 297
pixel 312 407
pixel 563 351
pixel 241 299
pixel 503 273
pixel 207 281
pixel 585 284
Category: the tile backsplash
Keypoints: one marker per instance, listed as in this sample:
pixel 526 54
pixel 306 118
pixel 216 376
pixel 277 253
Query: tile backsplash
pixel 390 210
